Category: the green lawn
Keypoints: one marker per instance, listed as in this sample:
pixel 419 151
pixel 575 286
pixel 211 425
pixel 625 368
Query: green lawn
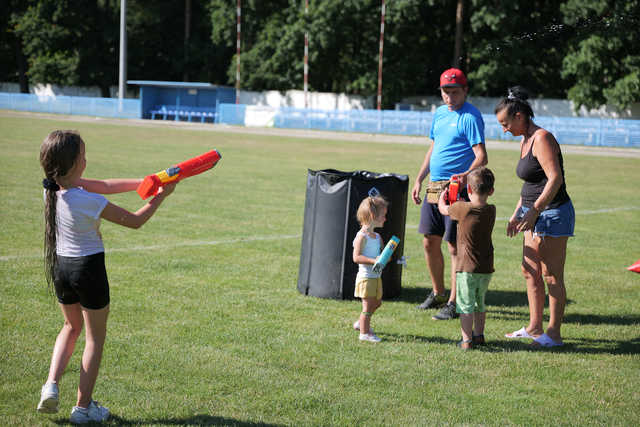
pixel 207 326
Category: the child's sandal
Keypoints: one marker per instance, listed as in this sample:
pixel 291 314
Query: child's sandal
pixel 465 344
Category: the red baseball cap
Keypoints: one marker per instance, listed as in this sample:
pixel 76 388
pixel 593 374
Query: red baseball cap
pixel 453 78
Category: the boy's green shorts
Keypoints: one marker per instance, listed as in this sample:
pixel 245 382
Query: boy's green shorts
pixel 470 291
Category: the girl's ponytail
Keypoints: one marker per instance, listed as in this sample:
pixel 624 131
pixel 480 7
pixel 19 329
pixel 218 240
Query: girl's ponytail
pixel 50 226
pixel 58 153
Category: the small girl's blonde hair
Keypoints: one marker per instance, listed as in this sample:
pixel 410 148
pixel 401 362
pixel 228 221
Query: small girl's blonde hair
pixel 369 208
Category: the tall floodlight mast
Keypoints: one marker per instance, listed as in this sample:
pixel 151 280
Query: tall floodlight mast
pixel 123 53
pixel 306 57
pixel 380 57
pixel 238 15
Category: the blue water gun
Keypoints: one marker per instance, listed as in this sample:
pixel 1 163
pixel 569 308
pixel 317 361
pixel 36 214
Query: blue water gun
pixel 385 256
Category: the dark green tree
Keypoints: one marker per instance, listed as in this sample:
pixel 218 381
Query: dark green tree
pixel 343 51
pixel 159 48
pixel 270 36
pixel 603 60
pixel 66 44
pixel 13 67
pixel 516 43
pixel 586 49
pixel 419 43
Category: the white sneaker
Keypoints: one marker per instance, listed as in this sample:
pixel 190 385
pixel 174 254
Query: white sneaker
pixel 371 337
pixel 48 399
pixel 356 326
pixel 94 413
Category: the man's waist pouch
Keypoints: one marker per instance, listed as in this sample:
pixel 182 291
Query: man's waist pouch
pixel 434 189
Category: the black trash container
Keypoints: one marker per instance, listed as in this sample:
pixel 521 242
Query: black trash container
pixel 327 269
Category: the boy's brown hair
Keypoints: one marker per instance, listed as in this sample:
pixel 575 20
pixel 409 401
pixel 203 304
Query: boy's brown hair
pixel 481 180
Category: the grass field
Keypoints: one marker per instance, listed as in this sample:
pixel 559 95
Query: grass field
pixel 207 326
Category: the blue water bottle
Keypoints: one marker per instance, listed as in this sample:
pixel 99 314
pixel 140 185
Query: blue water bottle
pixel 385 256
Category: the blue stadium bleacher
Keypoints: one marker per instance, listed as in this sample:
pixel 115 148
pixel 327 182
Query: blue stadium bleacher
pixel 186 112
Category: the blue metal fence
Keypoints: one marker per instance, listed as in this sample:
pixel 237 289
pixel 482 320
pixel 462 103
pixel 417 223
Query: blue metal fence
pixel 578 131
pixel 369 121
pixel 231 114
pixel 568 130
pixel 101 107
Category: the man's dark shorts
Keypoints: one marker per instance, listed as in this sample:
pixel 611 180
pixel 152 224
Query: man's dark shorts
pixel 432 222
pixel 82 279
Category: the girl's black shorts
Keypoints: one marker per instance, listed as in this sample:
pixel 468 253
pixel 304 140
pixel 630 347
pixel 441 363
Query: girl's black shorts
pixel 82 280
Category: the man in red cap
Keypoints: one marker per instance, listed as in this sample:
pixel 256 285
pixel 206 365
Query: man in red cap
pixel 457 131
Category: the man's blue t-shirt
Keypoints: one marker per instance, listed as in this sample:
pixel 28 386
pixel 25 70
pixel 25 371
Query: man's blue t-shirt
pixel 454 133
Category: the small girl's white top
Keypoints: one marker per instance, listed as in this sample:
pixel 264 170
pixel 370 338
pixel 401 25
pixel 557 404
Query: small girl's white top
pixel 371 249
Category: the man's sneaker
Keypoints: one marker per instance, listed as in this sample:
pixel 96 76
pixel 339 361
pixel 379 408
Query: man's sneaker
pixel 356 326
pixel 433 301
pixel 93 414
pixel 447 312
pixel 371 337
pixel 48 399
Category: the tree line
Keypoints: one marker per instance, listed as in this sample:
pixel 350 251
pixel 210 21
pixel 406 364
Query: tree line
pixel 587 51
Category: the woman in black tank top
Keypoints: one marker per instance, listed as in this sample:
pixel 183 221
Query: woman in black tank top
pixel 544 214
pixel 535 179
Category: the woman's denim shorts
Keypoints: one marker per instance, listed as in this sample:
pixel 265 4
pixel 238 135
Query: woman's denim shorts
pixel 555 222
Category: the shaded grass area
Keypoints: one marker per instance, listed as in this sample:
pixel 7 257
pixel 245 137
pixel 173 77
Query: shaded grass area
pixel 207 327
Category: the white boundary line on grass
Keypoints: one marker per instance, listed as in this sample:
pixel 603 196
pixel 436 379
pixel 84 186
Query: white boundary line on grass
pixel 205 243
pixel 269 238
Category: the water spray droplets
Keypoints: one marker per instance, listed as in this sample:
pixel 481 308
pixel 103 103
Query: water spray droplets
pixel 556 30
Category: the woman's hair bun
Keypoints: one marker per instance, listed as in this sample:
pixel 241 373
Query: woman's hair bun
pixel 517 92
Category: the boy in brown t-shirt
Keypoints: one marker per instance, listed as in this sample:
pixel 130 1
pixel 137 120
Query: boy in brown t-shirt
pixel 474 263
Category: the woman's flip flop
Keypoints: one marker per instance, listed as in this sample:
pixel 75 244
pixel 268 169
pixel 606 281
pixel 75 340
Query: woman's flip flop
pixel 520 333
pixel 545 340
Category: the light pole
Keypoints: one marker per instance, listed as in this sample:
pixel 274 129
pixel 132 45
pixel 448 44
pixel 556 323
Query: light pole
pixel 123 53
pixel 380 58
pixel 238 16
pixel 306 57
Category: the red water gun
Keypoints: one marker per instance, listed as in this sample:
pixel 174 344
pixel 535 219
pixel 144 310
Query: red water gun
pixel 152 183
pixel 453 191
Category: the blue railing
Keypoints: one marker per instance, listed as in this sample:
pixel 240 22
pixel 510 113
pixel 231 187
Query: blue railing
pixel 231 114
pixel 369 121
pixel 568 130
pixel 101 107
pixel 578 130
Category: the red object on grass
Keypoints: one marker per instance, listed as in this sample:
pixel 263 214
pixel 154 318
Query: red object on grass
pixel 635 267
